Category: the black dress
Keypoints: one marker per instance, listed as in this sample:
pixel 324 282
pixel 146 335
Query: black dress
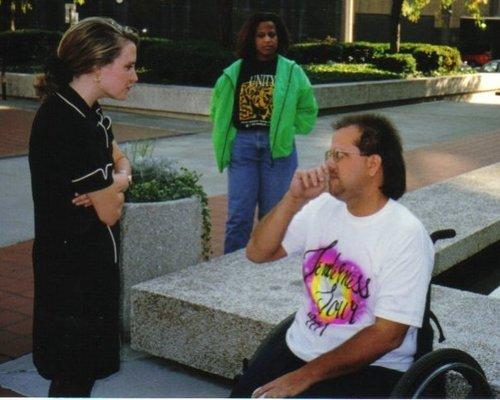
pixel 75 327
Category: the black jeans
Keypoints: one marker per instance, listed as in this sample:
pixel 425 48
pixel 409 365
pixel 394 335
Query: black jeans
pixel 277 359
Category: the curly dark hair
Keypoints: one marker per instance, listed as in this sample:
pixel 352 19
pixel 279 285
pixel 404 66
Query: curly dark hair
pixel 245 45
pixel 380 136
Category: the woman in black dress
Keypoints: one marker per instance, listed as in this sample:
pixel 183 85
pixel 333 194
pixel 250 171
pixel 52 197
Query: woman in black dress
pixel 78 176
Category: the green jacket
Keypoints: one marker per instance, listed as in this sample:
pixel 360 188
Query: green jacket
pixel 294 110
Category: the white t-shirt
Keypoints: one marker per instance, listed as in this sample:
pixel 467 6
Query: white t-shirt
pixel 355 269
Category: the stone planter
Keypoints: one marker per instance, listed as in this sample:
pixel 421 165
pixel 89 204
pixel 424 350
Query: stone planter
pixel 157 238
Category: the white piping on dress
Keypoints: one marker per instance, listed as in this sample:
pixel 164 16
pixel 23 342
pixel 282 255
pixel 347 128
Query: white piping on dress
pixel 103 171
pixel 71 104
pixel 105 132
pixel 102 118
pixel 98 112
pixel 114 243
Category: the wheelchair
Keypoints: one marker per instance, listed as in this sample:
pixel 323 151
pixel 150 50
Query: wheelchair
pixel 427 376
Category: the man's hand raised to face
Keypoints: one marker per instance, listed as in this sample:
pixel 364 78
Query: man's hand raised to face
pixel 266 239
pixel 309 184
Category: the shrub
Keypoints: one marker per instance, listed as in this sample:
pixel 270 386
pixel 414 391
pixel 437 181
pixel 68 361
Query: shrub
pixel 201 63
pixel 315 52
pixel 362 52
pixel 27 47
pixel 194 62
pixel 328 73
pixel 429 58
pixel 432 58
pixel 451 60
pixel 161 180
pixel 144 44
pixel 400 63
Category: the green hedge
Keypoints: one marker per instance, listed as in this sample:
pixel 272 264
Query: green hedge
pixel 399 63
pixel 429 58
pixel 362 52
pixel 200 63
pixel 326 73
pixel 31 47
pixel 145 43
pixel 27 47
pixel 193 63
pixel 319 52
pixel 433 58
pixel 315 52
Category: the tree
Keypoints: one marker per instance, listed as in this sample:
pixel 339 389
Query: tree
pixel 412 9
pixel 17 7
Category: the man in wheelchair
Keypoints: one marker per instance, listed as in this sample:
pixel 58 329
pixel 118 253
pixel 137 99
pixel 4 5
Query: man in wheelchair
pixel 367 263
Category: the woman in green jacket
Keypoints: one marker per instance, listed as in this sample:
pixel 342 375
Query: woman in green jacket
pixel 259 103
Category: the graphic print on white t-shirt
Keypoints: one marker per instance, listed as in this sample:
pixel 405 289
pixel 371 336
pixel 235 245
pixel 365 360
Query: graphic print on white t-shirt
pixel 355 270
pixel 338 288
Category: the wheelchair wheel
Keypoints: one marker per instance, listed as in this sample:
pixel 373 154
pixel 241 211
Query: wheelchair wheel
pixel 428 374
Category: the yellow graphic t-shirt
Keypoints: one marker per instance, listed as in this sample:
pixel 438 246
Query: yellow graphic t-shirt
pixel 254 97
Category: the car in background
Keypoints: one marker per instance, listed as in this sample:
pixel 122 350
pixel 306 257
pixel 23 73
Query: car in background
pixel 491 66
pixel 477 59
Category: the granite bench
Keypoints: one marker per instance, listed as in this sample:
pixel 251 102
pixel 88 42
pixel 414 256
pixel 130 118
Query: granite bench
pixel 212 315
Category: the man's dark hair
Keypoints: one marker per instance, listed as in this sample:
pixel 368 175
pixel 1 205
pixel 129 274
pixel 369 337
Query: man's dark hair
pixel 245 45
pixel 380 136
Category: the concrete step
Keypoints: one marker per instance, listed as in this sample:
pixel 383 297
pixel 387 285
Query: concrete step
pixel 496 293
pixel 468 203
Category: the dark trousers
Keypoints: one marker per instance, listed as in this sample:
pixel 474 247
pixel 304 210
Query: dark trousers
pixel 70 387
pixel 277 360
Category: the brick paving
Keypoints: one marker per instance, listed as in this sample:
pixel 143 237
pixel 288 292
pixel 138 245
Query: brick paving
pixel 16 126
pixel 424 165
pixel 16 303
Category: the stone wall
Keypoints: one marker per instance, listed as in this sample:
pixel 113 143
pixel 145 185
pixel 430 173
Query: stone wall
pixel 194 101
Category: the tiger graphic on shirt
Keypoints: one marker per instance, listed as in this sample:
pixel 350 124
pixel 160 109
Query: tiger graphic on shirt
pixel 255 100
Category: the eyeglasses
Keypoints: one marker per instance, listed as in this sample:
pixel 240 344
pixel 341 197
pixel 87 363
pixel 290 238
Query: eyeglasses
pixel 337 155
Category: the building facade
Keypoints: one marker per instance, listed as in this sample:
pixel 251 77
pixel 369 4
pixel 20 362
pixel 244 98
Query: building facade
pixel 345 20
pixel 185 19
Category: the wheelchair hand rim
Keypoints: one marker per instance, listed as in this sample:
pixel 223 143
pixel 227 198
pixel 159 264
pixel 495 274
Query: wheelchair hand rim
pixel 470 373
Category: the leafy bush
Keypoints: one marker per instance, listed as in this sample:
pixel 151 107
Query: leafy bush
pixel 315 52
pixel 432 58
pixel 144 44
pixel 155 180
pixel 451 59
pixel 327 73
pixel 400 63
pixel 194 62
pixel 362 52
pixel 27 47
pixel 201 63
